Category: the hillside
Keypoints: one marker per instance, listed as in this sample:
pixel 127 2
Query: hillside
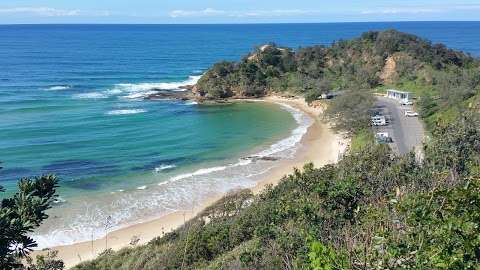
pixel 439 76
pixel 372 210
pixel 374 59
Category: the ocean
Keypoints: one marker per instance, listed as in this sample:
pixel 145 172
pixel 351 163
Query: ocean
pixel 71 104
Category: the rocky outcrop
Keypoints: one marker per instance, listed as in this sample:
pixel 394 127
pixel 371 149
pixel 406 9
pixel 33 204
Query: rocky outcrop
pixel 187 94
pixel 389 72
pixel 398 65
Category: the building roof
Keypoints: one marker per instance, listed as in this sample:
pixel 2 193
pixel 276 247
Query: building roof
pixel 398 91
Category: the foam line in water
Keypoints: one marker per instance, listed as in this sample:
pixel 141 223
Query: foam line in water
pixel 139 95
pixel 303 121
pixel 93 95
pixel 58 87
pixel 164 167
pixel 198 172
pixel 126 111
pixel 59 200
pixel 177 193
pixel 135 90
pixel 191 103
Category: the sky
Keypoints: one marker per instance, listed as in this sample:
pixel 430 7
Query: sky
pixel 234 11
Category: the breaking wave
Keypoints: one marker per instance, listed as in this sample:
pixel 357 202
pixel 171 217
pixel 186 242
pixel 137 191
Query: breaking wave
pixel 133 91
pixel 141 90
pixel 59 88
pixel 164 167
pixel 126 111
pixel 175 193
pixel 93 95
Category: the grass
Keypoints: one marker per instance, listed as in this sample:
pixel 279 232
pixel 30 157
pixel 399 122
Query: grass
pixel 362 139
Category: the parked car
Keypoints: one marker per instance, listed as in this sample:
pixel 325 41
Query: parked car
pixel 383 137
pixel 406 102
pixel 379 120
pixel 411 114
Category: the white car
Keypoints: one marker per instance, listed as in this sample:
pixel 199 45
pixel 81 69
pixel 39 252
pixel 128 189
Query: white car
pixel 379 120
pixel 411 114
pixel 406 103
pixel 383 137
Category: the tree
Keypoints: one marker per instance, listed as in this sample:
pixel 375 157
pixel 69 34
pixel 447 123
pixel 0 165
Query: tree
pixel 351 111
pixel 323 257
pixel 20 215
pixel 456 146
pixel 316 88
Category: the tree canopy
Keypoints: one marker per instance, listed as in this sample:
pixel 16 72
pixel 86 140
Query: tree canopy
pixel 372 210
pixel 20 215
pixel 372 60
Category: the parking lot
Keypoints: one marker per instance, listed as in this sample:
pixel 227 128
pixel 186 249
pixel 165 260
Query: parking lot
pixel 407 132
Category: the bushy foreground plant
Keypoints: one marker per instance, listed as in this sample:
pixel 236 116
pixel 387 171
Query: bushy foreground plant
pixel 20 215
pixel 372 210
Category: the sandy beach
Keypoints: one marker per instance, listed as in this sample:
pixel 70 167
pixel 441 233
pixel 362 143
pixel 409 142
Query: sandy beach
pixel 319 145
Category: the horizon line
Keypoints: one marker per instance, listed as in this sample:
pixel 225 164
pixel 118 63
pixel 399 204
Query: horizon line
pixel 243 23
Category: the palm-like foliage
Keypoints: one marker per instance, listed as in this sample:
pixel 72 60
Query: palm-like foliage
pixel 21 214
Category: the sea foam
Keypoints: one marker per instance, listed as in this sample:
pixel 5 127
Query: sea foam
pixel 303 121
pixel 132 91
pixel 191 103
pixel 164 167
pixel 142 90
pixel 126 111
pixel 93 95
pixel 179 192
pixel 58 88
pixel 289 143
pixel 198 172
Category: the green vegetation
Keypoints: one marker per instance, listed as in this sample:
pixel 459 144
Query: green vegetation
pixel 372 210
pixel 351 111
pixel 373 60
pixel 21 214
pixel 444 80
pixel 361 140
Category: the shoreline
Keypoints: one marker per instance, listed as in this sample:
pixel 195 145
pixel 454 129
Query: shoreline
pixel 319 145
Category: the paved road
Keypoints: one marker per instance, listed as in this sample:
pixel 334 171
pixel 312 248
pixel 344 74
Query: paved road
pixel 407 132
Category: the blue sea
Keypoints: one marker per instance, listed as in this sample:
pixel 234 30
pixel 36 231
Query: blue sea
pixel 71 103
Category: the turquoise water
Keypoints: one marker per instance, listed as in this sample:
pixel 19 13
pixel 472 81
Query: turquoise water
pixel 71 104
pixel 94 144
pixel 186 157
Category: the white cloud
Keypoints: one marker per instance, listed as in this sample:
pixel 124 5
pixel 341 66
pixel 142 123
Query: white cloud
pixel 400 10
pixel 468 7
pixel 405 10
pixel 52 12
pixel 210 12
pixel 275 13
